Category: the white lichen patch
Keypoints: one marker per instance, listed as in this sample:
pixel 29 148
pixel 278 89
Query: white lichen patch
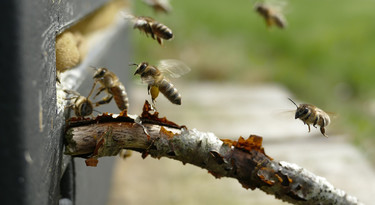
pixel 322 188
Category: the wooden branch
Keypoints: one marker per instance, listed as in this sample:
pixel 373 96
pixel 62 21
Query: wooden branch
pixel 244 160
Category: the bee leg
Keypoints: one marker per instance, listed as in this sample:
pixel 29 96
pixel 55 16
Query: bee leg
pixel 151 32
pixel 71 98
pixel 269 22
pixel 323 131
pixel 153 102
pixel 105 100
pixel 92 89
pixel 72 92
pixel 308 127
pixel 316 121
pixel 71 106
pixel 153 108
pixel 160 41
pixel 100 90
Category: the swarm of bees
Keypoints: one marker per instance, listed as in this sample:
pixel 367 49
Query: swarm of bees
pixel 156 77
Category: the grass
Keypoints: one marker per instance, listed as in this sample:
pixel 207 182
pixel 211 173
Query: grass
pixel 326 56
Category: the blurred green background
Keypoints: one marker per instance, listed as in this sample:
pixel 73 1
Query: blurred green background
pixel 326 55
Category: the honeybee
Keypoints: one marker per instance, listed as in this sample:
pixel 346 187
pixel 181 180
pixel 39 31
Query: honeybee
pixel 151 27
pixel 310 114
pixel 159 5
pixel 271 14
pixel 154 77
pixel 114 88
pixel 82 106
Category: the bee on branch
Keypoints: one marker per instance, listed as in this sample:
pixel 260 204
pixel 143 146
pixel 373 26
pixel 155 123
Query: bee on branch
pixel 111 84
pixel 82 106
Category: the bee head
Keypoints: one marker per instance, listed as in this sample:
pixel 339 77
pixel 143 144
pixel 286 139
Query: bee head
pixel 261 8
pixel 141 68
pixel 302 110
pixel 100 72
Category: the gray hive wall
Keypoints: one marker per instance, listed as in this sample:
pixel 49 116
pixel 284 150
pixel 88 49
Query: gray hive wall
pixel 34 169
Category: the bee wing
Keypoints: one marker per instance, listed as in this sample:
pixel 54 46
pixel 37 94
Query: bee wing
pixel 173 68
pixel 149 2
pixel 148 80
pixel 284 113
pixel 136 21
pixel 278 5
pixel 154 2
pixel 127 15
pixel 332 115
pixel 139 22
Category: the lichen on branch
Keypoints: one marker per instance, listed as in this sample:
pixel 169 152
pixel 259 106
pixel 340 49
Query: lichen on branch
pixel 244 159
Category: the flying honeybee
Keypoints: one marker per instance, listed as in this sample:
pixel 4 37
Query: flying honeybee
pixel 159 5
pixel 82 106
pixel 151 27
pixel 114 88
pixel 310 114
pixel 271 14
pixel 154 77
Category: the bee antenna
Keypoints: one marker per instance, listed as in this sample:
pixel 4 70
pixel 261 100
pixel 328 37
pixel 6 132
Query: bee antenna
pixel 91 66
pixel 293 102
pixel 97 111
pixel 131 64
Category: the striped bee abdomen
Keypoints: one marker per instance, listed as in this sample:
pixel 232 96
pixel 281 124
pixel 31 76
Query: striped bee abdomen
pixel 120 96
pixel 161 31
pixel 170 92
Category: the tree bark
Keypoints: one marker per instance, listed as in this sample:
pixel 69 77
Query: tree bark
pixel 244 160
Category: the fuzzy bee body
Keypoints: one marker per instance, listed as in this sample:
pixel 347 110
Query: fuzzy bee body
pixel 271 15
pixel 151 27
pixel 158 83
pixel 120 96
pixel 170 92
pixel 82 106
pixel 312 115
pixel 114 88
